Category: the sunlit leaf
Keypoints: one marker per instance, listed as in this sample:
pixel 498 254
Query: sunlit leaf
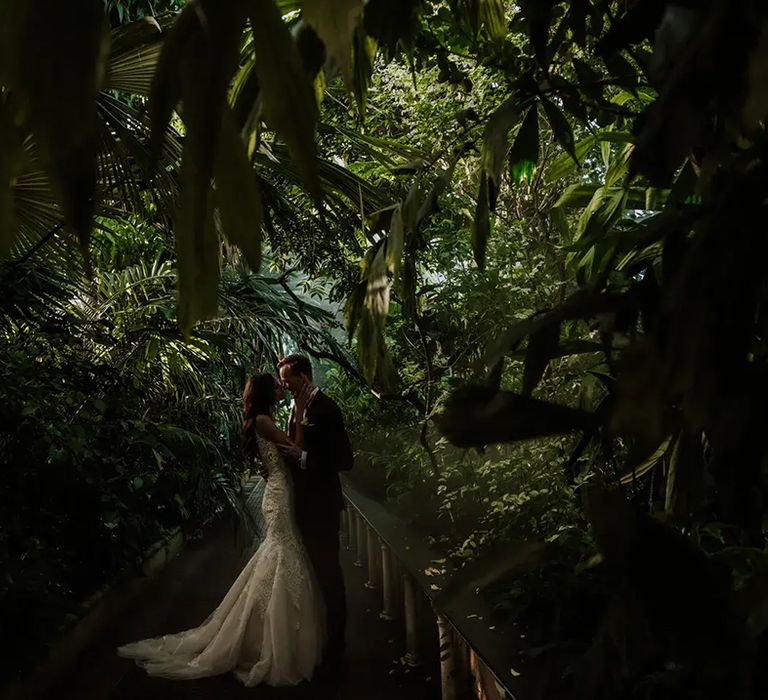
pixel 353 308
pixel 623 72
pixel 641 469
pixel 377 294
pixel 167 84
pixel 578 196
pixel 491 15
pixel 619 166
pixel 686 477
pixel 524 154
pixel 564 165
pixel 335 22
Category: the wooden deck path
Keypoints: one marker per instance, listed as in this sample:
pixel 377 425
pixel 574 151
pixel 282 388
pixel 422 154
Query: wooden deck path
pixel 186 592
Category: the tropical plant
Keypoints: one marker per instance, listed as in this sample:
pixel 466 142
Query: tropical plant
pixel 110 413
pixel 658 109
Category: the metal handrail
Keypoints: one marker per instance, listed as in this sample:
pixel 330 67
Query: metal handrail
pixel 473 654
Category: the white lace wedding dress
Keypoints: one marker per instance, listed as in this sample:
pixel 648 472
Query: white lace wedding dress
pixel 270 626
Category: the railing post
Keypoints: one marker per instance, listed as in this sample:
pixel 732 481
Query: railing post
pixel 351 528
pixel 343 530
pixel 373 565
pixel 361 541
pixel 411 629
pixel 464 675
pixel 447 659
pixel 387 579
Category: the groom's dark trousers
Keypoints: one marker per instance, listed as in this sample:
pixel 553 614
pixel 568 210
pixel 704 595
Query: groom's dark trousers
pixel 318 505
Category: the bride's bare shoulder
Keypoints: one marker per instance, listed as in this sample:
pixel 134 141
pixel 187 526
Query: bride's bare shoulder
pixel 266 428
pixel 264 425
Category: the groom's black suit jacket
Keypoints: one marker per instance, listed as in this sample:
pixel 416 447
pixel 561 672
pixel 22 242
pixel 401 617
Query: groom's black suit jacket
pixel 317 488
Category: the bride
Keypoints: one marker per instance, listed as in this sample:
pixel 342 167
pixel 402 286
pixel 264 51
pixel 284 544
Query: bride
pixel 270 626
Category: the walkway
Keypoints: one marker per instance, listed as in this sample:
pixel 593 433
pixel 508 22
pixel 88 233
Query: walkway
pixel 188 590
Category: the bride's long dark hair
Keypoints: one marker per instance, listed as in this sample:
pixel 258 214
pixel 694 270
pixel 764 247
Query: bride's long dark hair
pixel 258 399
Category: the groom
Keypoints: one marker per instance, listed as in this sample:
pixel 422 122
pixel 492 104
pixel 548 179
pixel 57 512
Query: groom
pixel 318 500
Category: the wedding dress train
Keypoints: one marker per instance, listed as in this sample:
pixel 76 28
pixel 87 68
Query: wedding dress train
pixel 270 626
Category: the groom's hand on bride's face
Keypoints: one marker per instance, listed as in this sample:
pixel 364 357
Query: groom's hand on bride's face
pixel 290 451
pixel 301 399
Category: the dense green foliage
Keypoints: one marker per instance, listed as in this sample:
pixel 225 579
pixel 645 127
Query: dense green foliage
pixel 544 221
pixel 115 428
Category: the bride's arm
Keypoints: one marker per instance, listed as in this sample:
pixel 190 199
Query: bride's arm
pixel 266 427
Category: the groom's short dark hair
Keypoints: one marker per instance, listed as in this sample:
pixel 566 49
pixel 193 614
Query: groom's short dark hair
pixel 298 364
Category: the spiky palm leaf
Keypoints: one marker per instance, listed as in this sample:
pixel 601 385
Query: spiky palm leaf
pixel 129 182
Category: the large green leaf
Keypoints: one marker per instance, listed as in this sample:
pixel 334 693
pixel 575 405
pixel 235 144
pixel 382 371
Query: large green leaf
pixel 237 193
pixel 430 203
pixel 623 72
pixel 492 15
pixel 476 416
pixel 542 347
pixel 619 166
pixel 392 23
pixel 488 15
pixel 373 354
pixel 686 477
pixel 134 53
pixel 57 61
pixel 602 213
pixel 561 127
pixel 524 154
pixel 481 229
pixel 286 89
pixel 364 50
pixel 335 22
pixel 353 308
pixel 167 83
pixel 638 471
pixel 578 196
pixel 203 59
pixel 378 287
pixel 395 241
pixel 539 15
pixel 564 165
pixel 580 305
pixel 496 145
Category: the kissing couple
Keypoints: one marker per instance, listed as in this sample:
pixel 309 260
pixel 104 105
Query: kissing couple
pixel 283 620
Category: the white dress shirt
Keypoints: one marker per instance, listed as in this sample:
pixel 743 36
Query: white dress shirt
pixel 312 395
